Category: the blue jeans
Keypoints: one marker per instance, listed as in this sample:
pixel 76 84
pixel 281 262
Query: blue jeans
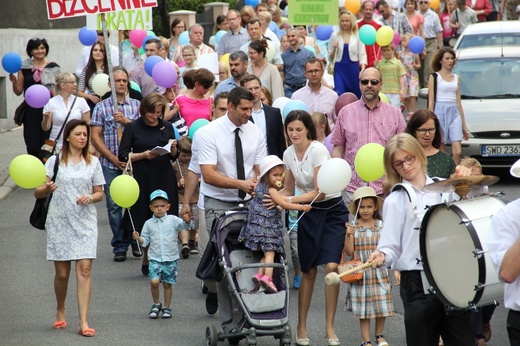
pixel 288 91
pixel 115 213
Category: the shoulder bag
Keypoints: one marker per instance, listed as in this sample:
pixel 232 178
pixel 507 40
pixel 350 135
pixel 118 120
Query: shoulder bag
pixel 19 113
pixel 49 146
pixel 41 206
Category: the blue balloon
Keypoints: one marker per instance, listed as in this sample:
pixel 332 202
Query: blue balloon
pixel 218 36
pixel 252 3
pixel 149 37
pixel 294 105
pixel 11 62
pixel 184 38
pixel 87 37
pixel 150 63
pixel 176 132
pixel 416 44
pixel 323 32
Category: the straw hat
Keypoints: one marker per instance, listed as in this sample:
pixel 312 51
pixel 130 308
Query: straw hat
pixel 364 191
pixel 269 162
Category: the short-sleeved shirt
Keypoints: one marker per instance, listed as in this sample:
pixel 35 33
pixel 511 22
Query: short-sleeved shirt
pixel 56 106
pixel 226 85
pixel 294 65
pixel 322 101
pixel 391 70
pixel 231 42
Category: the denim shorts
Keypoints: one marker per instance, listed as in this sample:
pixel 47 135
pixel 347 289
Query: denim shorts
pixel 164 271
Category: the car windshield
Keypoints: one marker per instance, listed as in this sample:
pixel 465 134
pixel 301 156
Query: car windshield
pixel 495 39
pixel 489 78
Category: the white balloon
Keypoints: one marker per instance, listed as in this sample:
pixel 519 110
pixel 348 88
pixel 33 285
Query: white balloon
pixel 270 51
pixel 281 102
pixel 100 84
pixel 334 176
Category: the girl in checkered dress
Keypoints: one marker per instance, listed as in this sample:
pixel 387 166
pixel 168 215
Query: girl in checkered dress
pixel 370 297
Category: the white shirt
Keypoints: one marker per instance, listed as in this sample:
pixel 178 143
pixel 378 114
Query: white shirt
pixel 401 227
pixel 217 147
pixel 56 106
pixel 504 231
pixel 85 55
pixel 195 168
pixel 259 120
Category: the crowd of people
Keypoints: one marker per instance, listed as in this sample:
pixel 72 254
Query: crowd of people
pixel 248 150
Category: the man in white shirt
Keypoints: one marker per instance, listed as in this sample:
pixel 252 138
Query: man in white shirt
pixel 85 54
pixel 196 35
pixel 254 29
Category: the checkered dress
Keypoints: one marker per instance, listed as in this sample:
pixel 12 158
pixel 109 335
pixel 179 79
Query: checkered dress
pixel 372 296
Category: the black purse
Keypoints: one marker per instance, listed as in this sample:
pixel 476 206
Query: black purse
pixel 209 268
pixel 41 206
pixel 19 113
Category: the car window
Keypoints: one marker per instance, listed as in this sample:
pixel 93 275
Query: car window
pixel 489 78
pixel 507 39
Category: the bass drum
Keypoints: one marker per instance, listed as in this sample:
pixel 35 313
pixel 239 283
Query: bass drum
pixel 453 244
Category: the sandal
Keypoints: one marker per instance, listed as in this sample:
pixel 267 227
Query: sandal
pixel 256 278
pixel 383 343
pixel 60 325
pixel 366 343
pixel 268 284
pixel 89 332
pixel 154 311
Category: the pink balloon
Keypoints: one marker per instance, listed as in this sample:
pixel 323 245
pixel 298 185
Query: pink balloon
pixel 328 144
pixel 344 100
pixel 164 74
pixel 137 37
pixel 397 39
pixel 37 96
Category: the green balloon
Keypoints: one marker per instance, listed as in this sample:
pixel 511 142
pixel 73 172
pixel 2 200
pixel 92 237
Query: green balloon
pixel 197 124
pixel 124 191
pixel 369 162
pixel 27 171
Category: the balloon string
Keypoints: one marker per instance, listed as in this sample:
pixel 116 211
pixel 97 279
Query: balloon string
pixel 294 224
pixel 133 228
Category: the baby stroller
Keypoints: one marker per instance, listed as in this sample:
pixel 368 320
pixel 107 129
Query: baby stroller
pixel 263 313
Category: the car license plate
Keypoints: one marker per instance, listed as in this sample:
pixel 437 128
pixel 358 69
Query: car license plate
pixel 500 150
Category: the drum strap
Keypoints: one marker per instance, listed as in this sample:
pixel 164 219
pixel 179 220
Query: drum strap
pixel 412 197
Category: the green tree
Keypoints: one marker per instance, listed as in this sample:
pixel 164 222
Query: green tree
pixel 161 19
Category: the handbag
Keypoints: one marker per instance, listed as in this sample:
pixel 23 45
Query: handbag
pixel 209 268
pixel 344 266
pixel 49 146
pixel 20 112
pixel 41 206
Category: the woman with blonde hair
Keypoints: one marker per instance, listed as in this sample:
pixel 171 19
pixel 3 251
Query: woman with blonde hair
pixel 246 14
pixel 348 53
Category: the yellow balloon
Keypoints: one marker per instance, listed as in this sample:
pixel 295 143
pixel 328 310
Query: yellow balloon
pixel 435 4
pixel 369 162
pixel 384 36
pixel 124 191
pixel 225 58
pixel 27 171
pixel 384 98
pixel 353 6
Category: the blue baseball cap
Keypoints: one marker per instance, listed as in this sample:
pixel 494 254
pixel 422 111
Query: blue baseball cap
pixel 158 194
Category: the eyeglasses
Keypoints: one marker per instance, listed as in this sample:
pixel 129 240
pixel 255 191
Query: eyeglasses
pixel 233 18
pixel 423 131
pixel 371 81
pixel 313 71
pixel 187 55
pixel 423 2
pixel 121 81
pixel 408 160
pixel 252 53
pixel 71 82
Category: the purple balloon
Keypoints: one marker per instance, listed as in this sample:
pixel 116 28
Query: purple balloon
pixel 328 144
pixel 164 74
pixel 150 62
pixel 37 96
pixel 87 37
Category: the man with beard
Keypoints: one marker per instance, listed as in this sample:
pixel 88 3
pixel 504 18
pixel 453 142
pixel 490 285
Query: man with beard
pixel 238 67
pixel 368 120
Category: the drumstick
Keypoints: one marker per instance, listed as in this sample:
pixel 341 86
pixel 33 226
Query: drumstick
pixel 333 278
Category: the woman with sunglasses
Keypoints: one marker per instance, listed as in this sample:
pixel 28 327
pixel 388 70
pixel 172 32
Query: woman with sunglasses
pixel 35 70
pixel 425 316
pixel 349 55
pixel 425 127
pixel 196 104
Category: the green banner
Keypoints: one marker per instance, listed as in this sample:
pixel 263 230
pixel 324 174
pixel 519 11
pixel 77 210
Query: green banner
pixel 323 12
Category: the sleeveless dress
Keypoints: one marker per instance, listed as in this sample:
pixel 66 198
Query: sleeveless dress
pixel 446 109
pixel 370 297
pixel 346 74
pixel 263 230
pixel 411 77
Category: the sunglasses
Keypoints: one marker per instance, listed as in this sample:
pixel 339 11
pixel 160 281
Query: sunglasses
pixel 423 2
pixel 371 81
pixel 38 39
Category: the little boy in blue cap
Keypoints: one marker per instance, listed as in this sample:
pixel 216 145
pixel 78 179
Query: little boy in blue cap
pixel 161 234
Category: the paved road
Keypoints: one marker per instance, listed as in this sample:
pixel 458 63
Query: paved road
pixel 121 298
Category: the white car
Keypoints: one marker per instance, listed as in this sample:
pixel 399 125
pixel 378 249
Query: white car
pixel 500 33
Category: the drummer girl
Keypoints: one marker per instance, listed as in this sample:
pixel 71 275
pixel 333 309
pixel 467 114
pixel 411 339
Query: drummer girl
pixel 370 297
pixel 424 315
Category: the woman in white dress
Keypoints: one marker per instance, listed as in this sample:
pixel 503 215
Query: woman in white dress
pixel 72 219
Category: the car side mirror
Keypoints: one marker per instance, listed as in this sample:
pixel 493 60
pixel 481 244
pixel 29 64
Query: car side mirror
pixel 423 93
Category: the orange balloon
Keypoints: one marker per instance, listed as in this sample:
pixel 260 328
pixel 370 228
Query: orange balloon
pixel 353 6
pixel 435 4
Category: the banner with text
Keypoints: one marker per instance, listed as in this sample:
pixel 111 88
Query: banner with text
pixel 324 12
pixel 123 20
pixel 57 9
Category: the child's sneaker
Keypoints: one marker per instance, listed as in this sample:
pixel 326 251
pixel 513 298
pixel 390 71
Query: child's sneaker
pixel 166 313
pixel 185 251
pixel 268 284
pixel 256 279
pixel 154 311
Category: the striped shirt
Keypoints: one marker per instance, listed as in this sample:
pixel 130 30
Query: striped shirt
pixel 432 24
pixel 391 70
pixel 103 116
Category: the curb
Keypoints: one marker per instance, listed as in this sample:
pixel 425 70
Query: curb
pixel 8 187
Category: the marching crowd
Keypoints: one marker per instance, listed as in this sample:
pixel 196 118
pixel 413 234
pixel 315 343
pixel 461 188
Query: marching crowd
pixel 249 146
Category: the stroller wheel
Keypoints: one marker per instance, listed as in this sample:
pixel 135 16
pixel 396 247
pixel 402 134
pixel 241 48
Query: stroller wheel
pixel 211 336
pixel 286 338
pixel 251 338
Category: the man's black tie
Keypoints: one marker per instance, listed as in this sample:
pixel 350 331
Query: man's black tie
pixel 240 162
